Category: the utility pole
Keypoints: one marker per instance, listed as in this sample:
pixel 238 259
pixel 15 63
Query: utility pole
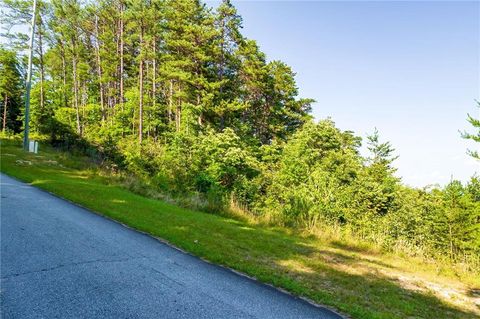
pixel 29 80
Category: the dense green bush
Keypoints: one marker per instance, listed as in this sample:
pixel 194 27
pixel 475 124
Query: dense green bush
pixel 317 178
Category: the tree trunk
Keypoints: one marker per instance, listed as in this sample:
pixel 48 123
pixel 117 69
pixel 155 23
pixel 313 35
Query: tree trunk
pixel 220 75
pixel 42 68
pixel 178 114
pixel 154 75
pixel 200 118
pixel 64 73
pixel 5 105
pixel 83 103
pixel 170 102
pixel 154 83
pixel 146 76
pixel 99 71
pixel 75 91
pixel 140 113
pixel 451 241
pixel 121 56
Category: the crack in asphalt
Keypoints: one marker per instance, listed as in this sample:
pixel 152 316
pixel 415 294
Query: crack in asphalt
pixel 71 265
pixel 210 296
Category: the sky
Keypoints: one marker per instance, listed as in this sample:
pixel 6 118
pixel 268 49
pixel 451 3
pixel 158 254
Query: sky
pixel 411 69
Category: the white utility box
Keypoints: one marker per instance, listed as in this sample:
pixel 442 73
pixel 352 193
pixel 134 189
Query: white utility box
pixel 33 147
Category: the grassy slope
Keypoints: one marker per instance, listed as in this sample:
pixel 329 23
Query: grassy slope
pixel 357 281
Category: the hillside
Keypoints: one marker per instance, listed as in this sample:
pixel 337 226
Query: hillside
pixel 357 279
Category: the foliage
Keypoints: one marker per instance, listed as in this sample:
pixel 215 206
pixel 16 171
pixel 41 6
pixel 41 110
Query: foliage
pixel 173 93
pixel 475 122
pixel 352 277
pixel 10 91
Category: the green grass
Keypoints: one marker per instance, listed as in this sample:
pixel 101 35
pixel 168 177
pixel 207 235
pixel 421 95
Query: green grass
pixel 358 281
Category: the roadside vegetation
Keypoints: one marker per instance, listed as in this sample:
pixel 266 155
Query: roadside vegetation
pixel 156 112
pixel 357 278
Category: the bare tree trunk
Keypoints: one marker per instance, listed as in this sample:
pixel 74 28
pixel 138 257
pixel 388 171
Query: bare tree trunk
pixel 5 105
pixel 178 114
pixel 154 81
pixel 170 102
pixel 75 91
pixel 42 69
pixel 140 113
pixel 154 76
pixel 111 101
pixel 83 102
pixel 99 71
pixel 451 241
pixel 121 55
pixel 220 75
pixel 200 119
pixel 146 76
pixel 64 70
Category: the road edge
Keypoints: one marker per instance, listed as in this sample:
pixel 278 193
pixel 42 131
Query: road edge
pixel 167 243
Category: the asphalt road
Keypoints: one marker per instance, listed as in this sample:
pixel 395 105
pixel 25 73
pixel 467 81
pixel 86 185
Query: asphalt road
pixel 61 261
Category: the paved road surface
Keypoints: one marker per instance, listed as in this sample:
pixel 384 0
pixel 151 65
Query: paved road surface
pixel 62 261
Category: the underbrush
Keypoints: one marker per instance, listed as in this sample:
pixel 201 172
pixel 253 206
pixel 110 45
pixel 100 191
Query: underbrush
pixel 463 266
pixel 329 264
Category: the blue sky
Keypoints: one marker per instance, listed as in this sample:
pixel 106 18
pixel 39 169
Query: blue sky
pixel 411 69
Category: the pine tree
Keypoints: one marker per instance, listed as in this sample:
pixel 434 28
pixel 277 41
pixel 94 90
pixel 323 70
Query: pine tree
pixel 381 185
pixel 475 122
pixel 187 47
pixel 11 88
pixel 227 65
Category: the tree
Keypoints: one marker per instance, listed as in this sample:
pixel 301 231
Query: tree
pixel 11 88
pixel 380 184
pixel 288 113
pixel 318 166
pixel 227 42
pixel 457 227
pixel 473 136
pixel 18 12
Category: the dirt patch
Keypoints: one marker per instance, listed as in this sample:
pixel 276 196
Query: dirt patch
pixel 457 295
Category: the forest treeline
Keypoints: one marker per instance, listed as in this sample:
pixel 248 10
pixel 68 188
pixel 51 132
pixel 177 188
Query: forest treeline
pixel 173 93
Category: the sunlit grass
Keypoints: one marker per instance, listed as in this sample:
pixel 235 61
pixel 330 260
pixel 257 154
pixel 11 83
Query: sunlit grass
pixel 355 278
